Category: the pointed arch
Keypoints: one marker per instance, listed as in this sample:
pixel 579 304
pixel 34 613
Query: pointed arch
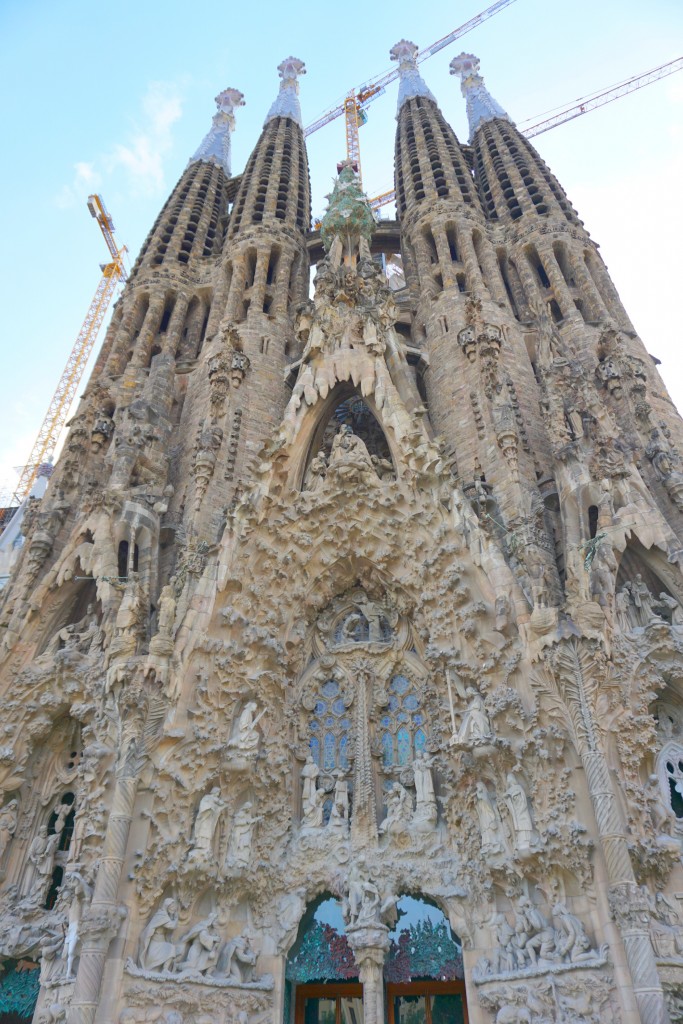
pixel 344 404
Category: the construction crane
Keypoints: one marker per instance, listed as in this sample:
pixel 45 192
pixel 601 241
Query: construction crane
pixel 586 104
pixel 353 107
pixel 113 273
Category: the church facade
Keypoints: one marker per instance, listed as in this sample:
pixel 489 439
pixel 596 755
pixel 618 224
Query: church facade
pixel 342 666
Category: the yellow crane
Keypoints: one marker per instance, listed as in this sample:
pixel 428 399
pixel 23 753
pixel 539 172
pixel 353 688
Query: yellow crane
pixel 113 273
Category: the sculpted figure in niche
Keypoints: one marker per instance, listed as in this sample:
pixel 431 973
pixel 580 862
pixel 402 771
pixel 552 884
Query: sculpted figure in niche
pixel 247 737
pixel 643 601
pixel 349 458
pixel 199 947
pixel 167 610
pixel 210 809
pixel 8 824
pixel 399 810
pixel 130 614
pixel 425 810
pixel 241 960
pixel 242 832
pixel 41 855
pixel 157 951
pixel 571 941
pixel 669 608
pixel 660 812
pixel 627 616
pixel 317 471
pixel 77 891
pixel 309 774
pixel 312 808
pixel 339 815
pixel 534 934
pixel 476 724
pixel 665 925
pixel 491 838
pixel 518 805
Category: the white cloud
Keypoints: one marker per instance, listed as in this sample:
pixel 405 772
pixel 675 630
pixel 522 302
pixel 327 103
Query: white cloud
pixel 142 157
pixel 85 179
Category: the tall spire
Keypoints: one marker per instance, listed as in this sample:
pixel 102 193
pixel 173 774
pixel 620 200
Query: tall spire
pixel 215 147
pixel 411 81
pixel 481 106
pixel 287 100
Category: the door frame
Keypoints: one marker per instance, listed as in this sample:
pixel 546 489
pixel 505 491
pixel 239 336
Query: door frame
pixel 424 988
pixel 325 990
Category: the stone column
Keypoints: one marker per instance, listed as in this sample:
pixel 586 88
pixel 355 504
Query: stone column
pixel 627 904
pixel 370 944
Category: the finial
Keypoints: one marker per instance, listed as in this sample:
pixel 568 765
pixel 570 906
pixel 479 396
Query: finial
pixel 481 105
pixel 348 215
pixel 412 83
pixel 287 100
pixel 215 147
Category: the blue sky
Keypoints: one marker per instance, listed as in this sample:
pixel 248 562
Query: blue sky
pixel 116 98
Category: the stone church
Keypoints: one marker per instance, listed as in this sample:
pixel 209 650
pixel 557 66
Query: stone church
pixel 342 664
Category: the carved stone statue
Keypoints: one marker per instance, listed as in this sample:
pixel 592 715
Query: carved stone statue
pixel 476 725
pixel 78 893
pixel 240 840
pixel 309 774
pixel 167 610
pixel 312 808
pixel 240 961
pixel 518 805
pixel 660 812
pixel 643 601
pixel 247 738
pixel 534 934
pixel 350 460
pixel 41 854
pixel 157 951
pixel 399 810
pixel 339 815
pixel 571 941
pixel 199 947
pixel 489 823
pixel 627 618
pixel 425 809
pixel 317 471
pixel 8 824
pixel 210 809
pixel 670 608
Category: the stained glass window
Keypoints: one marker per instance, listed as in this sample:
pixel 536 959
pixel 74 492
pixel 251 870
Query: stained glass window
pixel 329 729
pixel 402 734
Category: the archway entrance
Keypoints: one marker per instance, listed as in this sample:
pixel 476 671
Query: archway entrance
pixel 423 973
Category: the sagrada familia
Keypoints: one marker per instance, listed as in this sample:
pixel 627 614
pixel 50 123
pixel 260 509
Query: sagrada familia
pixel 342 663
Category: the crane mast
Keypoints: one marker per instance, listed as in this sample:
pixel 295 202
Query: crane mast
pixel 113 273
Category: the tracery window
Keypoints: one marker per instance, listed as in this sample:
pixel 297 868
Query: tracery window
pixel 403 734
pixel 329 728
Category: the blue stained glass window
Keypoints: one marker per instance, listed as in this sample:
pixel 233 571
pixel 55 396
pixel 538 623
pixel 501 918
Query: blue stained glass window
pixel 418 719
pixel 327 811
pixel 403 745
pixel 330 688
pixel 386 721
pixel 320 707
pixel 411 702
pixel 315 749
pixel 393 703
pixel 399 684
pixel 338 706
pixel 387 749
pixel 345 723
pixel 314 726
pixel 420 741
pixel 329 752
pixel 329 722
pixel 344 752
